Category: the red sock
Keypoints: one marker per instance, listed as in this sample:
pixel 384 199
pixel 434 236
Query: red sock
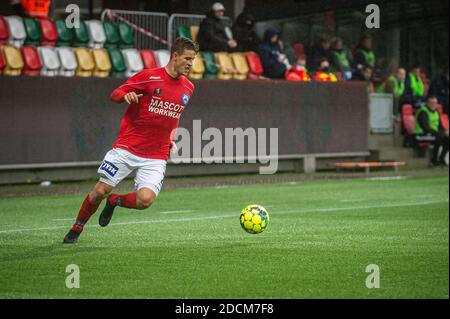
pixel 86 211
pixel 127 200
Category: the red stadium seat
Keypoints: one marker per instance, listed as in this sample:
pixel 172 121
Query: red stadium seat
pixel 444 121
pixel 255 66
pixel 149 59
pixel 32 62
pixel 299 49
pixel 426 86
pixel 408 118
pixel 4 31
pixel 49 32
pixel 440 109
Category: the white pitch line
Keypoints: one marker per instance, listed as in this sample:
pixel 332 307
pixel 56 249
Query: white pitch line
pixel 234 215
pixel 176 212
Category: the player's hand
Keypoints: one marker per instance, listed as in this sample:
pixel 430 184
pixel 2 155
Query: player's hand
pixel 132 97
pixel 173 147
pixel 232 43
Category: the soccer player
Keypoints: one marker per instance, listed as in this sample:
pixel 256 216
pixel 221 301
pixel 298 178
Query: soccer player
pixel 156 98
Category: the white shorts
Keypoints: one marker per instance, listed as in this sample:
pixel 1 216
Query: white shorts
pixel 119 163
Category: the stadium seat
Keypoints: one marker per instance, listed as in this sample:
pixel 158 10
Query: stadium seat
pixel 255 66
pixel 85 61
pixel 133 61
pixel 68 61
pixel 440 108
pixel 17 33
pixel 226 67
pixel 32 62
pixel 12 59
pixel 194 32
pixel 50 61
pixel 444 121
pixel 97 34
pixel 4 31
pixel 184 32
pixel 162 57
pixel 81 36
pixel 198 68
pixel 240 64
pixel 126 36
pixel 118 66
pixel 426 86
pixel 112 35
pixel 102 63
pixel 33 31
pixel 211 68
pixel 65 34
pixel 48 31
pixel 408 118
pixel 149 59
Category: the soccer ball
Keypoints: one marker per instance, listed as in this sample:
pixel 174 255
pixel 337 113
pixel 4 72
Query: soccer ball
pixel 254 219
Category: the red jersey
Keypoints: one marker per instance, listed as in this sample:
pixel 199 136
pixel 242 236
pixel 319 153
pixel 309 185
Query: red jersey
pixel 147 126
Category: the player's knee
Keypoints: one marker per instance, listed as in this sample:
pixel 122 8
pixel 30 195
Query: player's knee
pixel 145 200
pixel 101 190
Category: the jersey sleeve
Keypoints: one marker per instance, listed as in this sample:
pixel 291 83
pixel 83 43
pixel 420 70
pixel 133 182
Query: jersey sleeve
pixel 136 83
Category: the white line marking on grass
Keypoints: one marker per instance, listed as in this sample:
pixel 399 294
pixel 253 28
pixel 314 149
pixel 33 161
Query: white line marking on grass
pixel 351 200
pixel 386 178
pixel 171 220
pixel 176 212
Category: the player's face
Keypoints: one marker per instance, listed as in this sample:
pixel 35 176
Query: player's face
pixel 183 62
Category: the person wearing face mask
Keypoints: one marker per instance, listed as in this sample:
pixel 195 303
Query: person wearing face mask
pixel 323 73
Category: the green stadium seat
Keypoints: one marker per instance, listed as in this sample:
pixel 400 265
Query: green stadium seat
pixel 184 32
pixel 33 31
pixel 112 35
pixel 126 36
pixel 65 34
pixel 118 66
pixel 211 68
pixel 81 38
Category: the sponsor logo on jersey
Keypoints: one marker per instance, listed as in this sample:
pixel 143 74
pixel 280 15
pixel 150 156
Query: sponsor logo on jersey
pixel 185 99
pixel 165 108
pixel 154 78
pixel 157 92
pixel 109 168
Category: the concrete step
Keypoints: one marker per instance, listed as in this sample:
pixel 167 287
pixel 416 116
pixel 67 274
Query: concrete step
pixel 394 154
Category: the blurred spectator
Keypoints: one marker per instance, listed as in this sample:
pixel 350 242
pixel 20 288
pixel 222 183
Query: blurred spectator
pixel 323 72
pixel 274 62
pixel 244 34
pixel 365 75
pixel 342 59
pixel 395 84
pixel 428 126
pixel 414 89
pixel 17 7
pixel 439 88
pixel 364 56
pixel 213 34
pixel 321 50
pixel 299 68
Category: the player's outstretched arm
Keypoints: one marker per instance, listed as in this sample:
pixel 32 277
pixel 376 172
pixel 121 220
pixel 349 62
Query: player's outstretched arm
pixel 118 96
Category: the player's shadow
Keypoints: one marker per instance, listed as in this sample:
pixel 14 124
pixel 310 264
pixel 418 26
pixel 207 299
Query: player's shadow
pixel 53 250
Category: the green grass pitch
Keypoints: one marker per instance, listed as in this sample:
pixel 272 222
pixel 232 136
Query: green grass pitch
pixel 190 244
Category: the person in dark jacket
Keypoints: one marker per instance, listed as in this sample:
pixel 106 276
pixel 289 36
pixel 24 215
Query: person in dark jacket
pixel 244 34
pixel 364 56
pixel 274 63
pixel 320 51
pixel 439 87
pixel 428 127
pixel 213 34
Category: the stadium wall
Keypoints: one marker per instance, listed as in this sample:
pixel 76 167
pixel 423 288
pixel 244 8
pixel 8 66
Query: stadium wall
pixel 49 121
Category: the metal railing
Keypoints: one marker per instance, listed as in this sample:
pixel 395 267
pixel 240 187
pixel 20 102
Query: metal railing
pixel 150 27
pixel 177 19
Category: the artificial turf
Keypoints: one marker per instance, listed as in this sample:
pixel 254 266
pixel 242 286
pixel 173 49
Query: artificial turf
pixel 190 244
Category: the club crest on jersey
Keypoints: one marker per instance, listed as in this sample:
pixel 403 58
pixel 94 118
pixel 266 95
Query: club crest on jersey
pixel 109 168
pixel 157 92
pixel 185 99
